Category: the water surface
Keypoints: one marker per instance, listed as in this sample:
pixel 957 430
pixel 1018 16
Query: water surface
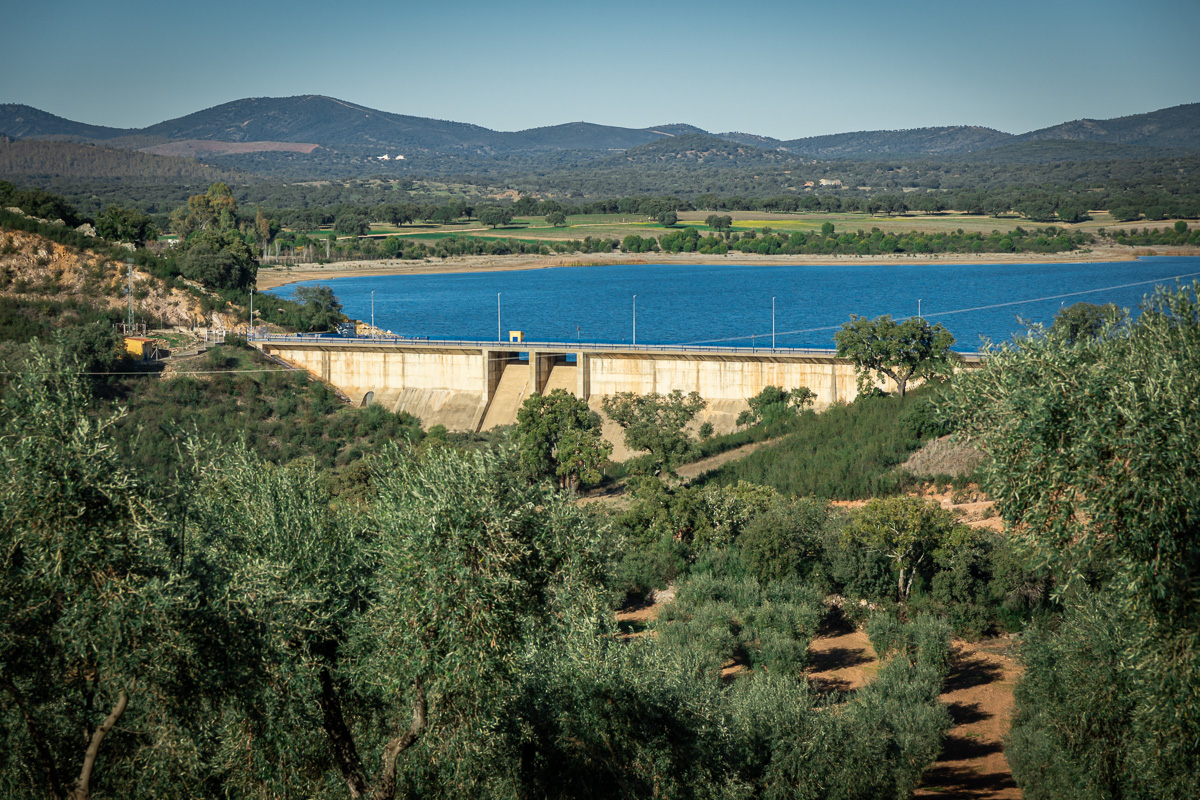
pixel 730 304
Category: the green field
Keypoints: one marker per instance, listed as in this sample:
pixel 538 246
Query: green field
pixel 618 226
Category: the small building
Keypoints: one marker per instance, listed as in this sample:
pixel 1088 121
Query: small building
pixel 516 336
pixel 140 348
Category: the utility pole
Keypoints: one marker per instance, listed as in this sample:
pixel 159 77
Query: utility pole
pixel 372 315
pixel 918 308
pixel 499 338
pixel 252 313
pixel 635 319
pixel 772 323
pixel 129 292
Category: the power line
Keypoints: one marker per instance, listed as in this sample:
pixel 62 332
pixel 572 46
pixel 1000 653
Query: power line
pixel 963 310
pixel 159 374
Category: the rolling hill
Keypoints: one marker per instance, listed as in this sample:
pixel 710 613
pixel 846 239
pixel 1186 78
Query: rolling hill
pixel 280 135
pixel 1177 127
pixel 945 141
pixel 26 122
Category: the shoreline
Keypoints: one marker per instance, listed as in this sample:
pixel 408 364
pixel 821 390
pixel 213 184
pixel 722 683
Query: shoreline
pixel 274 277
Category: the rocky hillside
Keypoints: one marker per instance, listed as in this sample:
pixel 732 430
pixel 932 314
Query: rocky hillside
pixel 35 268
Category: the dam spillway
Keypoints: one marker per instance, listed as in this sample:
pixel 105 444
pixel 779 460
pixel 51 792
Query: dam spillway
pixel 474 386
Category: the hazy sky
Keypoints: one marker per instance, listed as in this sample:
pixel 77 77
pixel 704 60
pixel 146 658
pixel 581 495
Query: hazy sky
pixel 783 69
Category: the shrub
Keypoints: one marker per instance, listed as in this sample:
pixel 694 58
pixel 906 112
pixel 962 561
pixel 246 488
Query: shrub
pixel 785 540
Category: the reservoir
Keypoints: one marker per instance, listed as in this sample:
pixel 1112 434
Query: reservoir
pixel 731 304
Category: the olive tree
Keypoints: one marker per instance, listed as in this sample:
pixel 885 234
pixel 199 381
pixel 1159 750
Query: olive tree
pixel 1094 458
pixel 395 631
pixel 91 609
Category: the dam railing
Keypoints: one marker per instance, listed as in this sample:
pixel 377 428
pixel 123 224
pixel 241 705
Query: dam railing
pixel 571 347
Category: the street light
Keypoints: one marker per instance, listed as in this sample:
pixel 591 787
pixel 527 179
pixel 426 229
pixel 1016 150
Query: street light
pixel 635 319
pixel 252 313
pixel 772 323
pixel 372 315
pixel 918 308
pixel 498 337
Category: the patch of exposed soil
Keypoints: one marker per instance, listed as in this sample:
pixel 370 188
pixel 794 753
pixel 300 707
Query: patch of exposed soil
pixel 201 148
pixel 970 505
pixel 34 266
pixel 841 662
pixel 636 620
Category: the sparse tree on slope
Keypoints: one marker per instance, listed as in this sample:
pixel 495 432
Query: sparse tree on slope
pixel 655 422
pixel 903 351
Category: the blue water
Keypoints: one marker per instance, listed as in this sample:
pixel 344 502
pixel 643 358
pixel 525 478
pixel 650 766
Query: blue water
pixel 730 304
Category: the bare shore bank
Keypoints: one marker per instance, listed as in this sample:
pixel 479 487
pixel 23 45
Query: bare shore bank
pixel 270 277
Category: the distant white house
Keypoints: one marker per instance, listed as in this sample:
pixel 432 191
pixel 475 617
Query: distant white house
pixel 386 157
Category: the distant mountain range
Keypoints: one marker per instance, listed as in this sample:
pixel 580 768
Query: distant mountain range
pixel 313 126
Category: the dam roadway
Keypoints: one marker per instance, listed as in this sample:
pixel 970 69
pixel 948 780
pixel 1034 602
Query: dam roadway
pixel 475 386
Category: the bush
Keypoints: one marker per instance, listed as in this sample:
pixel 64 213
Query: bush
pixel 785 540
pixel 886 633
pixel 765 626
pixel 925 642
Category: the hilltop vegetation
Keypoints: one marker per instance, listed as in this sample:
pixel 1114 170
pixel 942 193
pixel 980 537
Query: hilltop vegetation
pixel 56 164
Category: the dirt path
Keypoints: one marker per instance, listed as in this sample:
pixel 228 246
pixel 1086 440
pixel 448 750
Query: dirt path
pixel 979 692
pixel 697 468
pixel 842 662
pixel 615 494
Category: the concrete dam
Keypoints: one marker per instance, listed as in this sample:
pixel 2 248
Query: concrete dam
pixel 475 386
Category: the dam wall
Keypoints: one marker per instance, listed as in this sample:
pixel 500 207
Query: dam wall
pixel 472 386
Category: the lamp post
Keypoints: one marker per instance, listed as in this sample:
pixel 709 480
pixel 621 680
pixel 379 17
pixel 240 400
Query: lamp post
pixel 772 323
pixel 498 337
pixel 372 315
pixel 635 319
pixel 918 308
pixel 251 313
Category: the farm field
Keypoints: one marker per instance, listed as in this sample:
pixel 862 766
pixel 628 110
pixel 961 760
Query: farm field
pixel 620 225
